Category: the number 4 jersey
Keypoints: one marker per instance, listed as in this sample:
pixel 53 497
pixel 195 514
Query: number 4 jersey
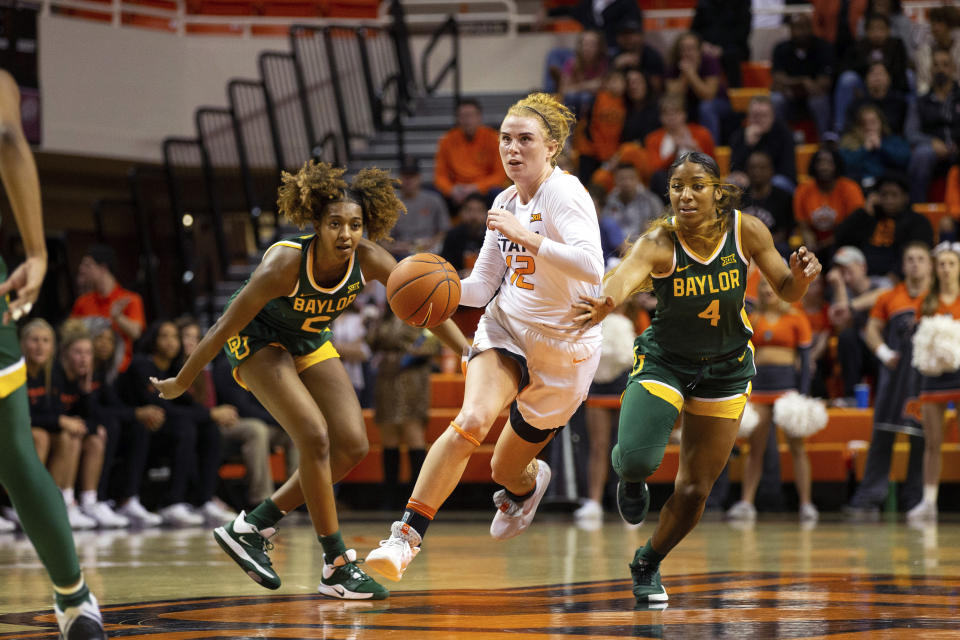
pixel 700 312
pixel 298 320
pixel 539 290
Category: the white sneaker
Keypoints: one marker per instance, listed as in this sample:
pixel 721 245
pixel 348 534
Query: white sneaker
pixel 214 511
pixel 809 513
pixel 78 520
pixel 81 622
pixel 137 514
pixel 589 510
pixel 742 510
pixel 181 515
pixel 395 554
pixel 511 518
pixel 105 516
pixel 6 526
pixel 923 512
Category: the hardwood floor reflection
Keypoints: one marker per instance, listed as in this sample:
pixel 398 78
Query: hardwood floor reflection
pixel 775 579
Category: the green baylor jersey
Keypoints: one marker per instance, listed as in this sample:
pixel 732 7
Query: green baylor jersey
pixel 300 320
pixel 700 313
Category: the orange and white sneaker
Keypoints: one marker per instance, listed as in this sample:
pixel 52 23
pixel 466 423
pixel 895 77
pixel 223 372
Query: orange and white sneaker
pixel 512 518
pixel 395 554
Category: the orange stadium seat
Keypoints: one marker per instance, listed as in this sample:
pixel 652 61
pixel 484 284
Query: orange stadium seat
pixel 756 74
pixel 350 8
pixel 740 98
pixel 722 155
pixel 802 154
pixel 220 7
pixel 934 212
pixel 292 8
pixel 148 22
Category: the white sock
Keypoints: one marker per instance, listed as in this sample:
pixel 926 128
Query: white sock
pixel 67 496
pixel 930 493
pixel 88 498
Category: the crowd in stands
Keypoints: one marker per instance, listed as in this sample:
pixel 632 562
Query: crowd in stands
pixel 878 92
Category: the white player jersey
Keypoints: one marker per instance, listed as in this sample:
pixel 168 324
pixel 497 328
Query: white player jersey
pixel 540 289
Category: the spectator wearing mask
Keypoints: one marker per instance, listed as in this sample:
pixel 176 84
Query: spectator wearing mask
pixel 802 70
pixel 468 157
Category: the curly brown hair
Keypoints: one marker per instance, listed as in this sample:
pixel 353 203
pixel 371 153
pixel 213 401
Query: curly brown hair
pixel 303 197
pixel 556 119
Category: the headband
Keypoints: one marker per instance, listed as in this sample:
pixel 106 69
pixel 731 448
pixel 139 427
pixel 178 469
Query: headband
pixel 947 246
pixel 542 117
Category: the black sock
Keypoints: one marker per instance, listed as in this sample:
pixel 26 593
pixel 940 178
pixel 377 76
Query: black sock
pixel 417 521
pixel 520 499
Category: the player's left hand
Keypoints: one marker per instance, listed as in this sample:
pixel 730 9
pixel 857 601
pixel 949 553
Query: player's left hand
pixel 169 388
pixel 506 223
pixel 592 311
pixel 26 281
pixel 804 266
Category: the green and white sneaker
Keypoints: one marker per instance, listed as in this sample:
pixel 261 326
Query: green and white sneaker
pixel 248 546
pixel 343 579
pixel 633 509
pixel 647 588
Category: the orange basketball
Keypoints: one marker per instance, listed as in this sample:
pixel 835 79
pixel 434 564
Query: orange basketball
pixel 423 290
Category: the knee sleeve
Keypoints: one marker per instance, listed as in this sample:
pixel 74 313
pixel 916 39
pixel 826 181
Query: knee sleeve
pixel 646 420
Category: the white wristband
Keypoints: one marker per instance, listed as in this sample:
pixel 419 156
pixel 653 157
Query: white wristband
pixel 884 353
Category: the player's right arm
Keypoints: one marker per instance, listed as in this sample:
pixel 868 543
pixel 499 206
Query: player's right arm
pixel 19 174
pixel 487 275
pixel 653 252
pixel 278 272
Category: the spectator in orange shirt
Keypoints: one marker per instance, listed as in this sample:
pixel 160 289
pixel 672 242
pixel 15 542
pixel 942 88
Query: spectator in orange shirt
pixel 106 298
pixel 819 205
pixel 675 137
pixel 468 157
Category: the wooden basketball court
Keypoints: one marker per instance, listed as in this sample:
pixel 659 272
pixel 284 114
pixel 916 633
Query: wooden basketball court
pixel 775 579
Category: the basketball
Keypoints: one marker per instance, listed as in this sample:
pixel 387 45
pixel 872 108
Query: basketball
pixel 423 290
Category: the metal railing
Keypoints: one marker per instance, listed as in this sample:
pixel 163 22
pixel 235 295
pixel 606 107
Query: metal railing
pixel 452 65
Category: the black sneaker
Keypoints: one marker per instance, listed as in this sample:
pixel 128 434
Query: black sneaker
pixel 633 510
pixel 82 622
pixel 646 582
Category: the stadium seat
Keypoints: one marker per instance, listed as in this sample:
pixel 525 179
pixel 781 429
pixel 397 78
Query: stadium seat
pixel 934 212
pixel 756 75
pixel 740 98
pixel 722 156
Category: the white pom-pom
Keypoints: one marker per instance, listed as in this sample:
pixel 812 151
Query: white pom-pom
pixel 749 421
pixel 936 345
pixel 799 416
